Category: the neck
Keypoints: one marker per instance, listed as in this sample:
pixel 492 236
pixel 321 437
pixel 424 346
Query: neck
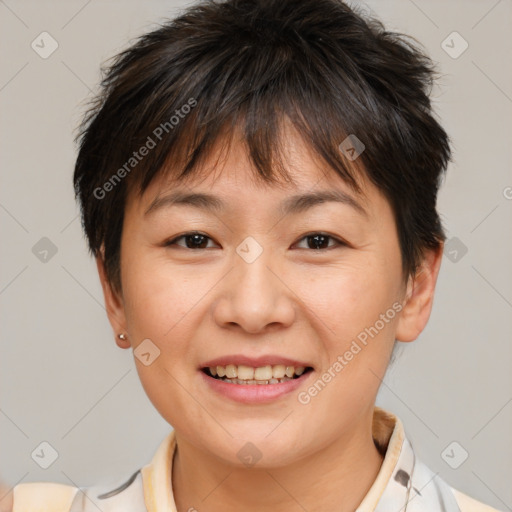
pixel 334 478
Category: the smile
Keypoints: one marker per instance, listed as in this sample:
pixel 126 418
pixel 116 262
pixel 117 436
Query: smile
pixel 247 375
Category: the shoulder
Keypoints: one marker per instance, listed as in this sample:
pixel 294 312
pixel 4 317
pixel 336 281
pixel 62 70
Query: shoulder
pixel 127 496
pixel 436 491
pixel 468 504
pixel 149 484
pixel 43 497
pixel 405 482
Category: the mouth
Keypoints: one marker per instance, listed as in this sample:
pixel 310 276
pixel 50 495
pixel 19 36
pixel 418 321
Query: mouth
pixel 255 376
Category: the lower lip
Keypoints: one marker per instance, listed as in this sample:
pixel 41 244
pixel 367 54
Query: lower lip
pixel 254 393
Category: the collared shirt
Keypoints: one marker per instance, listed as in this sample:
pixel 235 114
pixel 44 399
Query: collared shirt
pixel 403 484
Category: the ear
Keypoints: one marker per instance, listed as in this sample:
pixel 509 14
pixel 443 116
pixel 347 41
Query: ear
pixel 113 304
pixel 419 297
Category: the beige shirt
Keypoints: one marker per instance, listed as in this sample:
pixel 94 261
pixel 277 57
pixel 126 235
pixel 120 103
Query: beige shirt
pixel 403 484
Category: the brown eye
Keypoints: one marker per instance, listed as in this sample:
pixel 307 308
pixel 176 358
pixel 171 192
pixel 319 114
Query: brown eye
pixel 318 241
pixel 192 241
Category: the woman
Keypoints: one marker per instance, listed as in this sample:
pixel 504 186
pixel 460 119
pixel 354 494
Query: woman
pixel 258 184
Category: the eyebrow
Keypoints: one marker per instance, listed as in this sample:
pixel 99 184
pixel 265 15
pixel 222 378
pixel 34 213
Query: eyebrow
pixel 291 205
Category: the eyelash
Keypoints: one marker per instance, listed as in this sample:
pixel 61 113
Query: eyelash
pixel 338 242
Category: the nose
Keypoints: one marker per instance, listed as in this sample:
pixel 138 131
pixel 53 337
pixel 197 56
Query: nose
pixel 254 297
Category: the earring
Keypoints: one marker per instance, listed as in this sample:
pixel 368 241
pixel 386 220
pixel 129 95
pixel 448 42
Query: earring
pixel 122 336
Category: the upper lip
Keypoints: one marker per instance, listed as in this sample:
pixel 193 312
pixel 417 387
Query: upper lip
pixel 255 362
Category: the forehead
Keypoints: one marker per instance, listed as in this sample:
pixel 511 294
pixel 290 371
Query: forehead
pixel 227 183
pixel 228 175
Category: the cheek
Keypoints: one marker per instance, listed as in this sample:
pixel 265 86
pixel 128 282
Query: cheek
pixel 158 295
pixel 356 312
pixel 167 303
pixel 158 303
pixel 350 297
pixel 357 307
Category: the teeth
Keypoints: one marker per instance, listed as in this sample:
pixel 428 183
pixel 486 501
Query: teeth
pixel 278 371
pixel 252 382
pixel 231 371
pixel 245 372
pixel 263 375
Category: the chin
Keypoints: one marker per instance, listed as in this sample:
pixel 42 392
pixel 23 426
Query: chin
pixel 250 448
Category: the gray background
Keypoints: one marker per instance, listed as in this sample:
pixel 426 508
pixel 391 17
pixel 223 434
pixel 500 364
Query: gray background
pixel 63 379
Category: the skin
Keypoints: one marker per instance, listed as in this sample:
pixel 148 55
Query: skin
pixel 293 300
pixel 6 498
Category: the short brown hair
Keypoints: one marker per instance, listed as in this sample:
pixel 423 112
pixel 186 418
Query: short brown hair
pixel 246 64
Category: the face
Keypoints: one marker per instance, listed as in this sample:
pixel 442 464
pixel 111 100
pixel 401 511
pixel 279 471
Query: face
pixel 255 279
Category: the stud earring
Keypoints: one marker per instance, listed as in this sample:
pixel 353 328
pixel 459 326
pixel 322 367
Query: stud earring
pixel 122 336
